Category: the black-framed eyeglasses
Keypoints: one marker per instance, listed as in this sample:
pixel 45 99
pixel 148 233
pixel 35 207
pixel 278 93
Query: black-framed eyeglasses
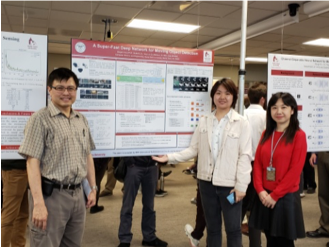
pixel 62 89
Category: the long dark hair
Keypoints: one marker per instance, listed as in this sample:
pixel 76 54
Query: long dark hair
pixel 293 126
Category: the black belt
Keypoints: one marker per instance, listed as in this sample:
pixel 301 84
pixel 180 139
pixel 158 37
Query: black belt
pixel 67 186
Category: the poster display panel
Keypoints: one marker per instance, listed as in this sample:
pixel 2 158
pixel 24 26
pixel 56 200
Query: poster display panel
pixel 23 86
pixel 307 79
pixel 141 100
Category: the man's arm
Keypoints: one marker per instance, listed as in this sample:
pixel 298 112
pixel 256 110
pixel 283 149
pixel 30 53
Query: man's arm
pixel 40 213
pixel 91 179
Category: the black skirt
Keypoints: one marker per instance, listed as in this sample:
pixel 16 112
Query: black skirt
pixel 284 220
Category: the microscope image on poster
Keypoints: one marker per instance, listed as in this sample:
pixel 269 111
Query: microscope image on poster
pixel 190 84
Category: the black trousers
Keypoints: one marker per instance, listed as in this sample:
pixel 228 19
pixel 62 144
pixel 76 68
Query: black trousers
pixel 309 173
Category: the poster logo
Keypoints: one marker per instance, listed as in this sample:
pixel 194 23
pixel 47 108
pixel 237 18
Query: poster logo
pixel 275 61
pixel 32 44
pixel 80 47
pixel 207 56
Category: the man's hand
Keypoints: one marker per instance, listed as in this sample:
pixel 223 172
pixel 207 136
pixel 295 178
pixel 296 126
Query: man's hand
pixel 91 199
pixel 39 216
pixel 160 158
pixel 239 195
pixel 313 159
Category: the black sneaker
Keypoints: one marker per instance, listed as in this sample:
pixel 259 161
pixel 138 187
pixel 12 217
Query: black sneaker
pixel 124 245
pixel 156 242
pixel 95 209
pixel 310 190
pixel 161 193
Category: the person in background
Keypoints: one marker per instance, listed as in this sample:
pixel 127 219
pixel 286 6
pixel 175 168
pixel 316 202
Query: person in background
pixel 57 145
pixel 322 160
pixel 100 167
pixel 141 170
pixel 279 161
pixel 222 142
pixel 110 179
pixel 15 210
pixel 256 116
pixel 309 176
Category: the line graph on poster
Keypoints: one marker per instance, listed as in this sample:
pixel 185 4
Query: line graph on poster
pixel 18 62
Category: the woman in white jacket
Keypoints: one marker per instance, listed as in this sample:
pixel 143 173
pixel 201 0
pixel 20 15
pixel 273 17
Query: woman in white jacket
pixel 222 142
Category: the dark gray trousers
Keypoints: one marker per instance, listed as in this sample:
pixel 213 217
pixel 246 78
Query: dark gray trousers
pixel 147 178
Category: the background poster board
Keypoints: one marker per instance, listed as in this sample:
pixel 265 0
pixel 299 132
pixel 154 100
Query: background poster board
pixel 138 99
pixel 23 86
pixel 307 79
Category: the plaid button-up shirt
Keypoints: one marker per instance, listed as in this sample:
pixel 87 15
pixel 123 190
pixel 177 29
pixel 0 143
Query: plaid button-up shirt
pixel 61 144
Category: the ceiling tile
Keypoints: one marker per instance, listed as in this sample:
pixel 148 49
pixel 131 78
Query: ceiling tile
pixel 59 48
pixel 56 32
pixel 168 35
pixel 173 6
pixel 234 23
pixel 29 12
pixel 183 44
pixel 156 15
pixel 273 5
pixel 31 4
pixel 253 15
pixel 195 20
pixel 212 9
pixel 4 19
pixel 120 22
pixel 60 38
pixel 94 36
pixel 157 42
pixel 134 4
pixel 75 6
pixel 197 38
pixel 5 27
pixel 214 32
pixel 32 30
pixel 128 39
pixel 69 25
pixel 69 16
pixel 116 11
pixel 30 22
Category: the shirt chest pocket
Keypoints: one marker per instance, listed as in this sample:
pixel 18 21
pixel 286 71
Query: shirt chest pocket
pixel 232 140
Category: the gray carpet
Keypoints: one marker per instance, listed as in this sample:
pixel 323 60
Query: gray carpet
pixel 172 213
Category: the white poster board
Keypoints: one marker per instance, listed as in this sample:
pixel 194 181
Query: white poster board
pixel 141 100
pixel 23 86
pixel 307 79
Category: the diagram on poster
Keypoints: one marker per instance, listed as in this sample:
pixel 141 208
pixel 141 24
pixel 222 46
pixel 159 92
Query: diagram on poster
pixel 307 79
pixel 156 95
pixel 23 86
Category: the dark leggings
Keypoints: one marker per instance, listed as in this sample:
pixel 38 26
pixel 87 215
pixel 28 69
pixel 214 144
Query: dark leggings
pixel 278 241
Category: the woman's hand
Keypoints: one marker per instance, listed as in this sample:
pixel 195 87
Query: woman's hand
pixel 269 202
pixel 313 159
pixel 262 196
pixel 160 158
pixel 238 195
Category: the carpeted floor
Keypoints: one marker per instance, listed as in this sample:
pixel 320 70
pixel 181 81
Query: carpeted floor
pixel 172 213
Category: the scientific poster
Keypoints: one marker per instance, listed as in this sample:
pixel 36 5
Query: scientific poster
pixel 23 86
pixel 307 79
pixel 141 100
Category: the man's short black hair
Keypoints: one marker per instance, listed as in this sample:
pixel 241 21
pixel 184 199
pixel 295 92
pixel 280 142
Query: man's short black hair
pixel 62 74
pixel 256 92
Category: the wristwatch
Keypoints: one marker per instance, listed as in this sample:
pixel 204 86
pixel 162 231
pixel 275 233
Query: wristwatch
pixel 94 188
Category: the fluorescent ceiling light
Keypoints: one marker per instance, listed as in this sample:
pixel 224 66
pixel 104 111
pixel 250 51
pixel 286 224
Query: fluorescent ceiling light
pixel 318 42
pixel 268 25
pixel 162 26
pixel 314 8
pixel 257 59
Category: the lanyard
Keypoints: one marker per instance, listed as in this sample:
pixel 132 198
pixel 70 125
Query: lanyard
pixel 272 150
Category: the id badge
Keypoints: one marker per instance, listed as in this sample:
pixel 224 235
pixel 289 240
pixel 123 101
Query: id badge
pixel 270 173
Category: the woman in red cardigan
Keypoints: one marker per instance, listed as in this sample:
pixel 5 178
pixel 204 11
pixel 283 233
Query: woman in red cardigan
pixel 279 161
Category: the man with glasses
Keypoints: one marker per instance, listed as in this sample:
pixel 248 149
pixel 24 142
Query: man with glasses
pixel 57 144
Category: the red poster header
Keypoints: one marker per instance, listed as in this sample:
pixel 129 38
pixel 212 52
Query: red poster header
pixel 16 113
pixel 10 147
pixel 287 72
pixel 316 74
pixel 120 51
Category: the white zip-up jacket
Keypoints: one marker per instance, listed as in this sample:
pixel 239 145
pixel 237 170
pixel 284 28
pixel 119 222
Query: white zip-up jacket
pixel 232 167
